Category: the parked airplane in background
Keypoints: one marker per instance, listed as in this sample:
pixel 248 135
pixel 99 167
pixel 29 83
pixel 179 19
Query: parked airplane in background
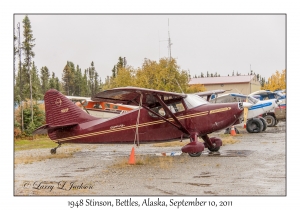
pixel 279 113
pixel 254 123
pixel 100 109
pixel 161 116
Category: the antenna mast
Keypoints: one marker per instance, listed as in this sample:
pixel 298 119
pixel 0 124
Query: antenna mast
pixel 169 42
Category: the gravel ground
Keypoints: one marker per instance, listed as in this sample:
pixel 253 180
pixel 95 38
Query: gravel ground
pixel 255 165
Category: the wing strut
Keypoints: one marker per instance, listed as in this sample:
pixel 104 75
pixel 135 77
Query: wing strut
pixel 136 136
pixel 156 114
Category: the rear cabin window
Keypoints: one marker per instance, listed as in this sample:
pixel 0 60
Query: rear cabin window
pixel 174 108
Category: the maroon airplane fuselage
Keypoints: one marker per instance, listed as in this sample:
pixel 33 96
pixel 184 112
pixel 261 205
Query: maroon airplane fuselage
pixel 67 123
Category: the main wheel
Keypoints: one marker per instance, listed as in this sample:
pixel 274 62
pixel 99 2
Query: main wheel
pixel 270 120
pixel 254 125
pixel 217 143
pixel 196 154
pixel 264 123
pixel 215 149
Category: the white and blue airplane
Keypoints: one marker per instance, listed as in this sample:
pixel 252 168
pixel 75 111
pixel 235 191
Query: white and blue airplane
pixel 253 109
pixel 277 114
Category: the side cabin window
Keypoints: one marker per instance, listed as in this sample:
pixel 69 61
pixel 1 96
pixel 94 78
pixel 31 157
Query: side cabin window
pixel 174 107
pixel 192 101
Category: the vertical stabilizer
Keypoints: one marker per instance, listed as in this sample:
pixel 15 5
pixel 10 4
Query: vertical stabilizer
pixel 61 111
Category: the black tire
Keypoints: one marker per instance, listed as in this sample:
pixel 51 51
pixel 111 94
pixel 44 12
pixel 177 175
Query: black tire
pixel 270 120
pixel 254 125
pixel 227 131
pixel 215 149
pixel 264 123
pixel 53 151
pixel 216 143
pixel 277 121
pixel 196 154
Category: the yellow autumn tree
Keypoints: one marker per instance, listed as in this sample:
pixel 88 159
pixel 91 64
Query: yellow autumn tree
pixel 163 75
pixel 124 77
pixel 276 82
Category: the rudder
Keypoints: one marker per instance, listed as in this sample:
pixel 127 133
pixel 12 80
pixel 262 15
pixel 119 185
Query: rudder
pixel 61 111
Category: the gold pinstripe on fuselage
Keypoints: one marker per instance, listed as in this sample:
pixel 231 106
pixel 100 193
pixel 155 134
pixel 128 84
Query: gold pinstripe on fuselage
pixel 142 124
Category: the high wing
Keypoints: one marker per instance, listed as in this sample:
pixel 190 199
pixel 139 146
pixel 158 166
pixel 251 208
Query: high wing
pixel 231 97
pixel 266 94
pixel 211 94
pixel 134 95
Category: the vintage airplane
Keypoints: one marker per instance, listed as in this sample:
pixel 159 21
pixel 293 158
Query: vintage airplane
pixel 254 123
pixel 161 116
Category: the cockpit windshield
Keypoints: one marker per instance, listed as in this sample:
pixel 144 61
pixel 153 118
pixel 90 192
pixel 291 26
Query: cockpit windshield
pixel 192 101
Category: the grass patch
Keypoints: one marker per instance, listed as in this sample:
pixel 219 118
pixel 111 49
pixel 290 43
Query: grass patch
pixel 40 143
pixel 229 140
pixel 63 153
pixel 164 162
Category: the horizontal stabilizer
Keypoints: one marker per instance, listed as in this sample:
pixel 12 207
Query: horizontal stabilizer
pixel 45 128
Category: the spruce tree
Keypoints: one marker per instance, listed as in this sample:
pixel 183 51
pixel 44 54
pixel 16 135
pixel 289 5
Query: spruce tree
pixel 45 77
pixel 27 49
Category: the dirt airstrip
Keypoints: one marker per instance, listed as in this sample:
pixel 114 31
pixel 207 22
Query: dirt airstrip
pixel 254 165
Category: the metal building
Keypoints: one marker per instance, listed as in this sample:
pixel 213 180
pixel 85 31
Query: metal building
pixel 232 84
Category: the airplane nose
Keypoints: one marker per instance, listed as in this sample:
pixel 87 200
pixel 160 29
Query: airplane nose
pixel 240 105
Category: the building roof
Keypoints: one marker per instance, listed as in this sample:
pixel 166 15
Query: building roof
pixel 221 80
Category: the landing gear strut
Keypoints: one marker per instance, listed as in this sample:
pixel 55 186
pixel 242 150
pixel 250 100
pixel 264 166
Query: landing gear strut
pixel 53 151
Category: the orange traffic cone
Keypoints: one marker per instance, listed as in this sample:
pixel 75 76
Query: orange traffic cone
pixel 244 125
pixel 132 157
pixel 232 132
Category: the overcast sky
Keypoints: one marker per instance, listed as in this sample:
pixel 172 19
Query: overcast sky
pixel 200 43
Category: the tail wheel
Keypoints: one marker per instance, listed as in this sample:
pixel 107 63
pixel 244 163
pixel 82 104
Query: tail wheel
pixel 270 120
pixel 254 125
pixel 53 151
